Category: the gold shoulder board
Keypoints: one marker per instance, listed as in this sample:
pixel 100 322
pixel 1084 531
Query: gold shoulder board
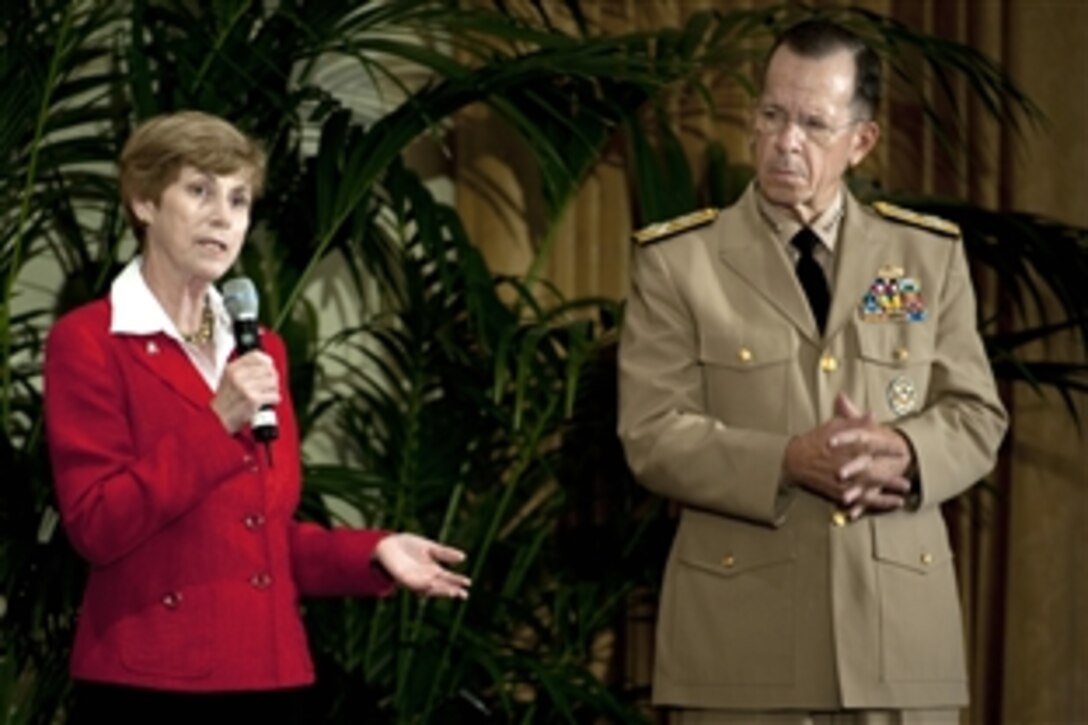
pixel 925 221
pixel 661 230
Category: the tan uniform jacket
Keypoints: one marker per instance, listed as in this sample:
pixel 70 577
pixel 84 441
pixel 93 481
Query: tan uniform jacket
pixel 769 599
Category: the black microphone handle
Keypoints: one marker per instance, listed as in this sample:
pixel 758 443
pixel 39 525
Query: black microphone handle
pixel 265 425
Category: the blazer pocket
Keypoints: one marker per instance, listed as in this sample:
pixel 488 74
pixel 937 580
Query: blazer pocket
pixel 738 369
pixel 732 602
pixel 897 358
pixel 920 623
pixel 168 634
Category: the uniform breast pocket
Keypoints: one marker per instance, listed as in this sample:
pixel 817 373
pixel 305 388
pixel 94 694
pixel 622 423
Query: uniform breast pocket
pixel 897 358
pixel 742 371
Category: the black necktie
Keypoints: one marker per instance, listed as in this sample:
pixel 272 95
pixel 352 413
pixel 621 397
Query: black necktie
pixel 811 276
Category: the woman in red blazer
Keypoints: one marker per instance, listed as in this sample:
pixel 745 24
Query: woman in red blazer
pixel 186 520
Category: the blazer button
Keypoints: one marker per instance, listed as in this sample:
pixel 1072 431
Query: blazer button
pixel 261 580
pixel 838 519
pixel 744 355
pixel 253 521
pixel 828 363
pixel 729 561
pixel 927 558
pixel 902 354
pixel 171 600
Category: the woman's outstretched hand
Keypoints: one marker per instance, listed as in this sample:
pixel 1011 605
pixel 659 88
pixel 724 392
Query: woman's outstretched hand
pixel 416 563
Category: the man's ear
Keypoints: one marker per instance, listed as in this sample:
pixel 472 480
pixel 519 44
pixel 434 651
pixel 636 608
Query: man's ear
pixel 866 135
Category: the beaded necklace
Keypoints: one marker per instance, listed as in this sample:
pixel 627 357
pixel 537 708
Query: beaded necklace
pixel 203 334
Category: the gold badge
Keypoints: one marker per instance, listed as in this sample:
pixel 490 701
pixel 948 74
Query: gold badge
pixel 902 395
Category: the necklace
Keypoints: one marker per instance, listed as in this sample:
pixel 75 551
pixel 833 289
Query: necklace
pixel 203 334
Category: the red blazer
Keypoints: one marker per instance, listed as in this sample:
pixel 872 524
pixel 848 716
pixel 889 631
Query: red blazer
pixel 196 563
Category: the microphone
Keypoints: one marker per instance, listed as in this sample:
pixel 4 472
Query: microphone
pixel 240 299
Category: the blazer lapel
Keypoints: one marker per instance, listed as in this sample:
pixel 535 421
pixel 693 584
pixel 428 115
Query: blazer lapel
pixel 856 265
pixel 749 249
pixel 166 360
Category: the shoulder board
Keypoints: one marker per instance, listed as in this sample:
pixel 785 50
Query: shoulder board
pixel 925 221
pixel 661 230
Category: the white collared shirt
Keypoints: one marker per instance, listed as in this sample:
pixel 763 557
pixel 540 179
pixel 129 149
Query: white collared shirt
pixel 136 311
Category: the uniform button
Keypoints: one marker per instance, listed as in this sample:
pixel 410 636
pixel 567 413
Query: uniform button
pixel 261 580
pixel 171 600
pixel 838 519
pixel 927 558
pixel 744 355
pixel 902 354
pixel 829 364
pixel 247 459
pixel 729 561
pixel 253 521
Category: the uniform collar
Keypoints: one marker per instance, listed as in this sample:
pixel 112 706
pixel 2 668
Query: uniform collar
pixel 784 225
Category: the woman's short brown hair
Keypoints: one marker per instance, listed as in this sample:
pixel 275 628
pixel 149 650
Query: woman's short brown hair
pixel 160 147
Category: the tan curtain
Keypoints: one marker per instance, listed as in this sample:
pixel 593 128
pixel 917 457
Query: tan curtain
pixel 1022 543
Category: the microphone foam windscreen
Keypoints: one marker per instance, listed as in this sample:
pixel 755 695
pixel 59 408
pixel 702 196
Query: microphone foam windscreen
pixel 240 298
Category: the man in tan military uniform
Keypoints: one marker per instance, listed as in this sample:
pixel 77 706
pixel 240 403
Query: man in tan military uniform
pixel 811 576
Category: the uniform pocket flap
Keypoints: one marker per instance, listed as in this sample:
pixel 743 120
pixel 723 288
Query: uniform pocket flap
pixel 896 344
pixel 738 556
pixel 917 542
pixel 767 347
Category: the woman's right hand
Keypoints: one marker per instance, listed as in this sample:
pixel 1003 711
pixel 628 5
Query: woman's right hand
pixel 249 382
